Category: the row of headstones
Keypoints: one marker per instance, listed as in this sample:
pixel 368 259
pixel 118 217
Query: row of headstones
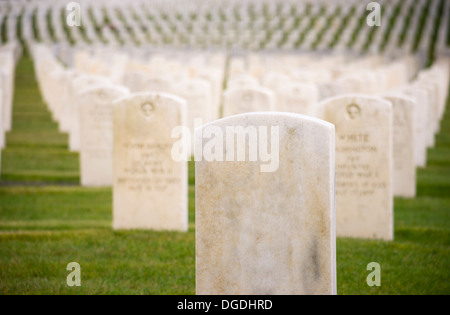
pixel 301 98
pixel 299 95
pixel 200 85
pixel 336 72
pixel 391 27
pixel 158 74
pixel 354 168
pixel 48 16
pixel 265 222
pixel 199 82
pixel 244 34
pixel 426 96
pixel 9 55
pixel 320 26
pixel 238 32
pixel 196 77
pixel 263 230
pixel 246 96
pixel 313 79
pixel 308 66
pixel 267 233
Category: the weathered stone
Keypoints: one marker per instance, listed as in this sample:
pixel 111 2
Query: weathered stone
pixel 404 142
pixel 96 134
pixel 266 230
pixel 364 200
pixel 150 187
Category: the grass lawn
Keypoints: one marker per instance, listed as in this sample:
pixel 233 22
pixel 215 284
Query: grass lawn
pixel 36 151
pixel 47 221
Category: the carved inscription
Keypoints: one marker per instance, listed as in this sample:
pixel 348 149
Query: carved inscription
pixel 364 200
pixel 355 174
pixel 150 169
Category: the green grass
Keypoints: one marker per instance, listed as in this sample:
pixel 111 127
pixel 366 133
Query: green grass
pixel 45 225
pixel 36 151
pixel 111 262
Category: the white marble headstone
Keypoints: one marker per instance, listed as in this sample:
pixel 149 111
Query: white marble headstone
pixel 404 142
pixel 79 84
pixel 198 95
pixel 433 124
pixel 150 187
pixel 422 119
pixel 265 230
pixel 158 83
pixel 215 77
pixel 364 137
pixel 300 98
pixel 329 89
pixel 65 121
pixel 353 83
pixel 56 78
pixel 96 134
pixel 2 131
pixel 244 100
pixel 7 66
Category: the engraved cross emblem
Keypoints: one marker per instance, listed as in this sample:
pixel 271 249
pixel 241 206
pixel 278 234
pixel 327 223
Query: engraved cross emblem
pixel 353 111
pixel 147 109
